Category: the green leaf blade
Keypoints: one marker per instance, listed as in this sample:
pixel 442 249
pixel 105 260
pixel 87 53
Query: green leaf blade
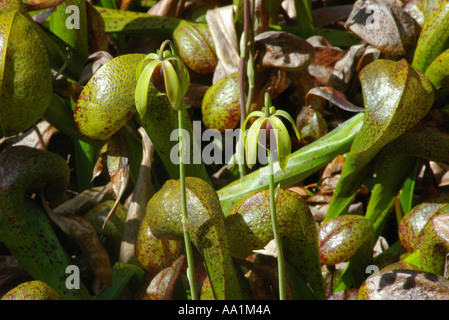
pixel 433 39
pixel 396 97
pixel 283 142
pixel 143 82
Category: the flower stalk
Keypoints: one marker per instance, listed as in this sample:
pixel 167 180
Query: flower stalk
pixel 166 72
pixel 269 119
pixel 277 236
pixel 185 225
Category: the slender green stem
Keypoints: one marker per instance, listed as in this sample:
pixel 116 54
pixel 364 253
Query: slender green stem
pixel 109 4
pixel 241 159
pixel 188 245
pixel 250 57
pixel 242 79
pixel 277 237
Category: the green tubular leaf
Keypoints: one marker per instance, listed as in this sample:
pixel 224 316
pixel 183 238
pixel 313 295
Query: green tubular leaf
pixel 438 71
pixel 137 23
pixel 433 39
pixel 412 225
pixel 251 139
pixel 414 258
pixel 12 5
pixel 122 275
pixel 392 172
pixel 143 82
pixel 24 227
pixel 107 101
pixel 60 115
pixel 206 228
pixel 341 237
pixel 36 231
pixel 433 243
pixel 249 228
pixel 32 290
pixel 25 77
pixel 6 20
pixel 347 237
pixel 406 196
pixel 283 142
pixel 172 84
pixel 85 158
pixel 395 163
pixel 396 98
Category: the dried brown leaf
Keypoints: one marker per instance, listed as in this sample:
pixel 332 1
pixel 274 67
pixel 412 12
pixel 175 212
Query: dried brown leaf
pixel 324 62
pixel 329 15
pixel 311 124
pixel 329 184
pixel 335 166
pixel 387 27
pixel 303 82
pixel 94 62
pixel 143 190
pixel 11 274
pixel 283 50
pixel 369 55
pixel 224 36
pixel 333 96
pixel 86 200
pixel 345 68
pixel 415 9
pixel 168 8
pixel 405 285
pixel 118 168
pixel 87 239
pixel 36 5
pixel 163 284
pixel 37 137
pixel 195 94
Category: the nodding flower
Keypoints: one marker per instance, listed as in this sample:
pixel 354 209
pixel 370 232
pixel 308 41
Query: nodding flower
pixel 166 72
pixel 269 120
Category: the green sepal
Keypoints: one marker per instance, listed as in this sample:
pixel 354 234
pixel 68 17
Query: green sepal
pixel 143 81
pixel 287 116
pixel 283 142
pixel 250 141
